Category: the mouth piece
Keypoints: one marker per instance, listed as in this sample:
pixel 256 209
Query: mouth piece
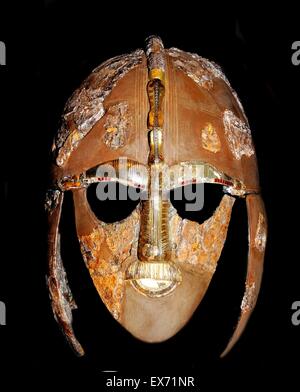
pixel 154 278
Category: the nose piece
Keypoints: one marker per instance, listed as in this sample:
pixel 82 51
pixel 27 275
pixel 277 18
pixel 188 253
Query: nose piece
pixel 154 278
pixel 154 274
pixel 148 251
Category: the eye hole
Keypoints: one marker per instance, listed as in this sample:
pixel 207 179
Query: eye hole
pixel 111 201
pixel 196 202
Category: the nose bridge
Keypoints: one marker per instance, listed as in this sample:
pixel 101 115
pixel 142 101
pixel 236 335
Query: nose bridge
pixel 154 233
pixel 154 274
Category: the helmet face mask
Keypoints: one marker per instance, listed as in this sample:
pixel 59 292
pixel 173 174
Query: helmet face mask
pixel 142 130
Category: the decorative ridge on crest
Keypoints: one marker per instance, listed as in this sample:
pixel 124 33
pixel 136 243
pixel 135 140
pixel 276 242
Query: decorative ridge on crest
pixel 156 89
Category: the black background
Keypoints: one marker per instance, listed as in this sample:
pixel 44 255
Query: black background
pixel 51 48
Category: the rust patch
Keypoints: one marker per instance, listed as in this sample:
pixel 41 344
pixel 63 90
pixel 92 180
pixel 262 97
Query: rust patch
pixel 200 245
pixel 210 139
pixel 238 135
pixel 117 126
pixel 261 233
pixel 111 291
pixel 106 252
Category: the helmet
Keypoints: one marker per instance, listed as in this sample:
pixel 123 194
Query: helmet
pixel 143 129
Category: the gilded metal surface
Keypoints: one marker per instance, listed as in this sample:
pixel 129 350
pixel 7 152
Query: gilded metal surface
pixel 238 135
pixel 200 245
pixel 125 171
pixel 134 174
pixel 210 139
pixel 189 172
pixel 156 94
pixel 261 233
pixel 105 251
pixel 153 270
pixel 155 145
pixel 117 125
pixel 85 107
pixel 154 279
pixel 154 237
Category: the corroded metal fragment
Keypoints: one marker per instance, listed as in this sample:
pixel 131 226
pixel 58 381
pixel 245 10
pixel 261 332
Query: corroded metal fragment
pixel 52 199
pixel 200 245
pixel 155 53
pixel 193 66
pixel 249 298
pixel 111 291
pixel 261 233
pixel 62 301
pixel 240 105
pixel 238 135
pixel 106 251
pixel 202 71
pixel 85 107
pixel 117 125
pixel 210 139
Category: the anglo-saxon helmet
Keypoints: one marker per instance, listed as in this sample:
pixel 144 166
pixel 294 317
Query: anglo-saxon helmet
pixel 153 122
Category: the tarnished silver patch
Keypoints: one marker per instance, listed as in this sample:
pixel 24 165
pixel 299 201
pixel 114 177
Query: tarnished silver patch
pixel 51 200
pixel 117 126
pixel 261 233
pixel 234 93
pixel 248 301
pixel 193 67
pixel 238 135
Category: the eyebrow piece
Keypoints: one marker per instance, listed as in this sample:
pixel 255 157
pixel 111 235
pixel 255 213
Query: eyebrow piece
pixel 123 171
pixel 134 174
pixel 195 172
